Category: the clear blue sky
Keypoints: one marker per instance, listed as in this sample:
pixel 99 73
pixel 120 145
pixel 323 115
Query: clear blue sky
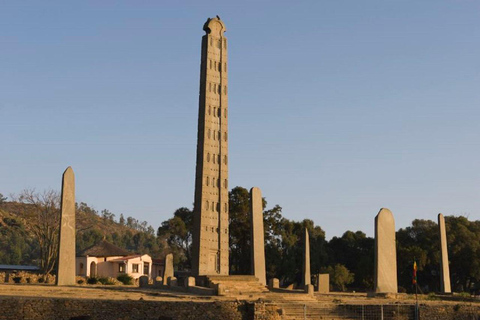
pixel 337 108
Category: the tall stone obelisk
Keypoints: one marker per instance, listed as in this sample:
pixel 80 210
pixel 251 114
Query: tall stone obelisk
pixel 210 234
pixel 385 253
pixel 66 243
pixel 257 234
pixel 444 267
pixel 306 276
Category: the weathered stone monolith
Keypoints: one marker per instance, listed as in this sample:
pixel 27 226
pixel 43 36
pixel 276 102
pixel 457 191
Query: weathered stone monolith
pixel 66 243
pixel 168 268
pixel 306 277
pixel 323 283
pixel 444 267
pixel 273 283
pixel 257 234
pixel 385 253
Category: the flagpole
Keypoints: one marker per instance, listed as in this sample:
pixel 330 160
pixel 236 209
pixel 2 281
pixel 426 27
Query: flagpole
pixel 416 287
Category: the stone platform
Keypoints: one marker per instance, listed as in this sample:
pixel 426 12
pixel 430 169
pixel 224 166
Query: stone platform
pixel 235 285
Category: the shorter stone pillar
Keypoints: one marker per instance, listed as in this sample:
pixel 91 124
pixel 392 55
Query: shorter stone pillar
pixel 306 277
pixel 189 282
pixel 385 253
pixel 158 281
pixel 444 267
pixel 172 281
pixel 273 283
pixel 323 283
pixel 143 281
pixel 220 289
pixel 66 241
pixel 168 272
pixel 257 236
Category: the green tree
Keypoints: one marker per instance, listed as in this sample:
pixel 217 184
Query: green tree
pixel 340 276
pixel 178 233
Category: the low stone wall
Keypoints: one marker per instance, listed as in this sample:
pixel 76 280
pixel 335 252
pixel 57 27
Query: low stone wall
pixel 449 312
pixel 20 308
pixel 76 309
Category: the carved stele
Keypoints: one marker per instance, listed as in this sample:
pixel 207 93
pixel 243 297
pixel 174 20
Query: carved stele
pixel 168 272
pixel 66 244
pixel 444 267
pixel 257 234
pixel 385 253
pixel 306 277
pixel 210 246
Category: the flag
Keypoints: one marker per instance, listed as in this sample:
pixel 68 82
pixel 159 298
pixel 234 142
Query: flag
pixel 414 280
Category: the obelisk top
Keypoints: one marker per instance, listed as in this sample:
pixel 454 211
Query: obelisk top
pixel 215 27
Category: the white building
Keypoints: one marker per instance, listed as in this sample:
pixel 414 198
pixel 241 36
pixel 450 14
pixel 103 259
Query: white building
pixel 107 260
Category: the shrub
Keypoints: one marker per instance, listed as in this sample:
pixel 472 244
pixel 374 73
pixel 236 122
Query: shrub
pixel 106 281
pixel 125 279
pixel 92 280
pixel 81 281
pixel 17 279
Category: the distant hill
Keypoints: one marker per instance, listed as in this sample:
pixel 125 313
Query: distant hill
pixel 19 243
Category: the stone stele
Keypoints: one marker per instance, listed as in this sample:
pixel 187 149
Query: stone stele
pixel 210 232
pixel 168 273
pixel 385 253
pixel 444 268
pixel 306 277
pixel 66 243
pixel 257 234
pixel 323 283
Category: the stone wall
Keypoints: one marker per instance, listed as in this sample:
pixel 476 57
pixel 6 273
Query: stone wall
pixel 19 308
pixel 449 312
pixel 70 309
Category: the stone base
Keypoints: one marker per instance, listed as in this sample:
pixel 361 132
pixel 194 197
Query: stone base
pixel 386 295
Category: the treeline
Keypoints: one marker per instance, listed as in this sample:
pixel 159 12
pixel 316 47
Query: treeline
pixel 348 259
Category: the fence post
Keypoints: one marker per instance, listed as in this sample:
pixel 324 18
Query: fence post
pixel 381 312
pixel 305 312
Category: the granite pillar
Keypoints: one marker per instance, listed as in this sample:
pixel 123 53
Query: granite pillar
pixel 444 267
pixel 385 253
pixel 66 243
pixel 168 272
pixel 257 236
pixel 306 277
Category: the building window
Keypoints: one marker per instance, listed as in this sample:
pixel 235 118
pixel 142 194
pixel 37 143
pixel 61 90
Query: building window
pixel 218 157
pixel 209 133
pixel 225 159
pixel 208 157
pixel 209 110
pixel 213 158
pixel 206 205
pixel 146 268
pixel 135 268
pixel 208 182
pixel 225 183
pixel 121 267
